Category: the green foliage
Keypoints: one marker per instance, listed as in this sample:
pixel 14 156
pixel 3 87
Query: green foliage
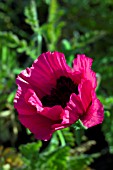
pixel 59 158
pixel 69 137
pixel 55 160
pixel 31 16
pixel 28 28
pixel 108 131
pixel 32 19
pixel 80 162
pixel 52 29
pixel 8 64
pixel 107 126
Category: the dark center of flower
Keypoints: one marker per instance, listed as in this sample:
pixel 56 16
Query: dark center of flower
pixel 61 93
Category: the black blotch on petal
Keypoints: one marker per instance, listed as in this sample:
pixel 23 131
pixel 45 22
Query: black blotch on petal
pixel 61 93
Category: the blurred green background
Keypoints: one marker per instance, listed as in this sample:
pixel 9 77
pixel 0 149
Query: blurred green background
pixel 30 27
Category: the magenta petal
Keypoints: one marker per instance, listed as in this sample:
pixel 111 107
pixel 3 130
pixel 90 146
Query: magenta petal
pixel 39 125
pixel 73 110
pixel 83 65
pixel 53 113
pixel 94 115
pixel 32 99
pixel 19 102
pixel 82 62
pixel 57 63
pixel 44 72
pixel 85 90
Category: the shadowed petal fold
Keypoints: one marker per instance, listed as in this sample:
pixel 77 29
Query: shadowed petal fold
pixel 20 102
pixel 73 110
pixel 94 114
pixel 83 65
pixel 85 90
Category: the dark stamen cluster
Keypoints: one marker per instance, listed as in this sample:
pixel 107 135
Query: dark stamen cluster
pixel 61 93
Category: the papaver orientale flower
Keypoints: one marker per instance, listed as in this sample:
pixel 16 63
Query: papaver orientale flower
pixel 52 96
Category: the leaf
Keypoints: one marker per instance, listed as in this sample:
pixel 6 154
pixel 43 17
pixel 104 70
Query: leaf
pixel 56 159
pixel 80 162
pixel 68 136
pixel 31 149
pixel 32 16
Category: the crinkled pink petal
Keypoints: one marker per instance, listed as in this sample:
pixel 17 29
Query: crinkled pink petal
pixel 53 113
pixel 27 99
pixel 57 63
pixel 83 65
pixel 44 72
pixel 39 125
pixel 82 62
pixel 19 102
pixel 73 110
pixel 85 89
pixel 76 76
pixel 32 99
pixel 25 76
pixel 94 114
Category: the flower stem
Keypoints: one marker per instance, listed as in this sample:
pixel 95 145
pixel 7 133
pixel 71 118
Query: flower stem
pixel 81 124
pixel 61 137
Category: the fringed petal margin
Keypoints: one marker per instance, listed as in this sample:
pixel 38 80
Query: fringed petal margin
pixel 83 65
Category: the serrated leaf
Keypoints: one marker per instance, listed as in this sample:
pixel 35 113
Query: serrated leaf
pixel 30 149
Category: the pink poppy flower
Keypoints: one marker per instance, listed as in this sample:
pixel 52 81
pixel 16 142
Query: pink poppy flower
pixel 52 96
